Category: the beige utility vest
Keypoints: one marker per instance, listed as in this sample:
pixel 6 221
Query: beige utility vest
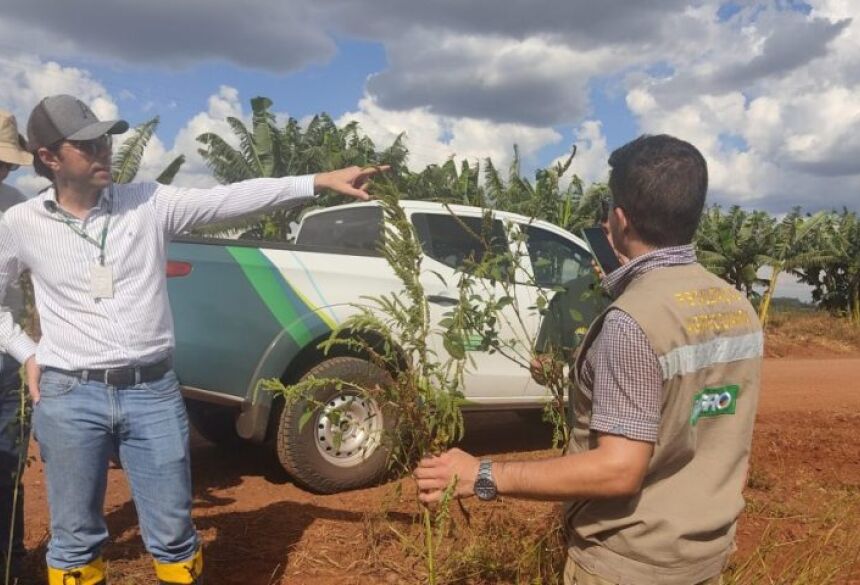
pixel 680 528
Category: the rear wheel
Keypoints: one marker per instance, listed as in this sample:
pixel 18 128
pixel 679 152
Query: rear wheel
pixel 341 445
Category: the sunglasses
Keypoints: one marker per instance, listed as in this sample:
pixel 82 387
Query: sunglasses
pixel 9 166
pixel 94 146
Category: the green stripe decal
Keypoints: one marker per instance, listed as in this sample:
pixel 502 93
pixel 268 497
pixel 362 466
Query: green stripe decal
pixel 331 321
pixel 276 293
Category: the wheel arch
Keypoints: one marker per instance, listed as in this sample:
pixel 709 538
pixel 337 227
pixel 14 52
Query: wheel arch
pixel 262 408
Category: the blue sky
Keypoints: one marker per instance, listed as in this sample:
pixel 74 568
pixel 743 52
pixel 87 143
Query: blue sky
pixel 769 91
pixel 335 88
pixel 177 94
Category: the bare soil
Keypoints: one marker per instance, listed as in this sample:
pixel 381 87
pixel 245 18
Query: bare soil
pixel 260 529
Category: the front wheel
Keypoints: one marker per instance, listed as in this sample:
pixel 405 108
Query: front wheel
pixel 342 443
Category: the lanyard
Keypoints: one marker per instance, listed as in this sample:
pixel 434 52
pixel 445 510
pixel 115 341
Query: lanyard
pixel 100 244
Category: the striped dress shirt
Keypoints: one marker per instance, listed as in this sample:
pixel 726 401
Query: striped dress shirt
pixel 134 326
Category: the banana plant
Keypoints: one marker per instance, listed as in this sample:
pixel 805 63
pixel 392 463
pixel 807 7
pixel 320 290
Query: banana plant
pixel 267 150
pixel 735 245
pixel 836 278
pixel 569 205
pixel 126 162
pixel 444 183
pixel 791 250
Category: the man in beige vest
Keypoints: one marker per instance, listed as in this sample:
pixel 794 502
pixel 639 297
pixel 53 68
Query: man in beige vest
pixel 667 385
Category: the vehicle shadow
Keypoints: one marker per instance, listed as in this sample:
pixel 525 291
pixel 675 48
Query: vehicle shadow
pixel 245 543
pixel 249 547
pixel 491 433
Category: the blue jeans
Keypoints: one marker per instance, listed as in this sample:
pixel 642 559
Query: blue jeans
pixel 79 425
pixel 14 436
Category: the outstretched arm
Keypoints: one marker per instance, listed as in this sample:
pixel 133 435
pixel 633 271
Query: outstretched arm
pixel 182 209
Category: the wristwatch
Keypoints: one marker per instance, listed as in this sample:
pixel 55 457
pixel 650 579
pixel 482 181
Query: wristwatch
pixel 485 485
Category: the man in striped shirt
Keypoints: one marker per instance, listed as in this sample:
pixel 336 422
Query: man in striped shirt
pixel 100 377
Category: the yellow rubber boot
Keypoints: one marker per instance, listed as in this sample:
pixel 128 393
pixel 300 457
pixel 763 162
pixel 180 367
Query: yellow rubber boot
pixel 182 573
pixel 92 574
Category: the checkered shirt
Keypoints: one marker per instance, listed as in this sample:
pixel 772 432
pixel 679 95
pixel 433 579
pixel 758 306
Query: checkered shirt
pixel 621 366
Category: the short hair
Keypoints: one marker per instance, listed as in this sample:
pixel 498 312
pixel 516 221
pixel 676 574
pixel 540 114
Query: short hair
pixel 660 182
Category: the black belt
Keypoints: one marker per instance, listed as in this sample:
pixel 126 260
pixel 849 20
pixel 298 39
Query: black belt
pixel 130 376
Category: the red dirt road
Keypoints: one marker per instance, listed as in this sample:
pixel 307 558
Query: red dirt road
pixel 802 385
pixel 259 529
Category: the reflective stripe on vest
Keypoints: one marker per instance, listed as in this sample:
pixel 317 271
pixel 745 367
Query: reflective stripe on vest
pixel 722 350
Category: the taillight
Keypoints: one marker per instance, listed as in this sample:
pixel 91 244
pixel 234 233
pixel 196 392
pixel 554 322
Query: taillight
pixel 175 268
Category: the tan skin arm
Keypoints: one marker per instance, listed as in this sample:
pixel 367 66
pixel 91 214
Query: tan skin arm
pixel 615 468
pixel 350 181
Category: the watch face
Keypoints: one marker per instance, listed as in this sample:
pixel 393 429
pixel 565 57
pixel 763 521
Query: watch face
pixel 485 488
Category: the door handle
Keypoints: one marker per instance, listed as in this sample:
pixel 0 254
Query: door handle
pixel 441 300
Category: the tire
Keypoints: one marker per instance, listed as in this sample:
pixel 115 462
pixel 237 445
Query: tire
pixel 310 453
pixel 216 424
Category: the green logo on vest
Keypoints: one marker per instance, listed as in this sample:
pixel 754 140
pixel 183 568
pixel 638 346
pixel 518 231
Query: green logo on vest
pixel 714 402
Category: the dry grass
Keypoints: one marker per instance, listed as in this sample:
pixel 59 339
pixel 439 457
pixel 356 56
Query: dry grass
pixel 796 530
pixel 805 548
pixel 499 546
pixel 796 546
pixel 810 334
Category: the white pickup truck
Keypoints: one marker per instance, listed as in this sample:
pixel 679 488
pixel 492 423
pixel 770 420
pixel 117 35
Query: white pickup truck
pixel 249 310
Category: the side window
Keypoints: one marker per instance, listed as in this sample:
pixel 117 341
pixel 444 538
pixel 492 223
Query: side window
pixel 555 260
pixel 457 241
pixel 357 228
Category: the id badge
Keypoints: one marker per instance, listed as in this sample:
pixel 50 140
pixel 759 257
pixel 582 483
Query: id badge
pixel 101 281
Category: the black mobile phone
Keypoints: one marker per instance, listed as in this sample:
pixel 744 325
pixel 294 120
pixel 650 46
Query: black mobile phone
pixel 601 249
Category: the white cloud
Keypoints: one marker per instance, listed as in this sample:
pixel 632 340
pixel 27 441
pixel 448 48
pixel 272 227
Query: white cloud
pixel 529 62
pixel 275 35
pixel 733 173
pixel 534 81
pixel 770 96
pixel 592 155
pixel 194 173
pixel 788 135
pixel 432 138
pixel 821 134
pixel 25 79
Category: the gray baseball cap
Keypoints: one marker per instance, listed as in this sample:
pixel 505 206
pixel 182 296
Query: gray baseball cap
pixel 64 117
